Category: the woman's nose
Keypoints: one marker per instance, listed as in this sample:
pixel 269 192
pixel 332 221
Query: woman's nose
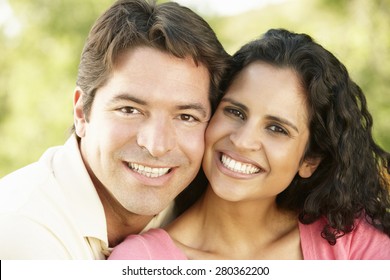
pixel 247 137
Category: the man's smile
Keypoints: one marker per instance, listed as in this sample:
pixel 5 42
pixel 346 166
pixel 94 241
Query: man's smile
pixel 149 171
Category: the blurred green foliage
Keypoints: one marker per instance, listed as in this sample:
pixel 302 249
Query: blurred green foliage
pixel 38 66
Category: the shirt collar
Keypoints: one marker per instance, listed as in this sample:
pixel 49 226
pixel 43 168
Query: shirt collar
pixel 84 201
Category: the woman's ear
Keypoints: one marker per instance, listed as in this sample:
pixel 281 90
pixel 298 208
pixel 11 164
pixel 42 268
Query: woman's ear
pixel 78 113
pixel 308 166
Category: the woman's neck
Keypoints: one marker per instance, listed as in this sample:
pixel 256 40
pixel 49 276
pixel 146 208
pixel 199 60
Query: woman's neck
pixel 217 228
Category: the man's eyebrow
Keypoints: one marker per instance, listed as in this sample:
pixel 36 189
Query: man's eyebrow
pixel 128 97
pixel 191 106
pixel 283 121
pixel 194 106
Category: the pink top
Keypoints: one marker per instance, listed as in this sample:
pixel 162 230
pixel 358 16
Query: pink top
pixel 364 243
pixel 155 244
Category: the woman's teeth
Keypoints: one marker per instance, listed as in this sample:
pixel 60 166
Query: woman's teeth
pixel 239 167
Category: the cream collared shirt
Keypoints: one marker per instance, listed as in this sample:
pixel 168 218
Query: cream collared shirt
pixel 51 210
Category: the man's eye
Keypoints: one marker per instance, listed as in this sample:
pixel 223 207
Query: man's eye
pixel 129 110
pixel 187 118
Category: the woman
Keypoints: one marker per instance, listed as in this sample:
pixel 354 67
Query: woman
pixel 293 170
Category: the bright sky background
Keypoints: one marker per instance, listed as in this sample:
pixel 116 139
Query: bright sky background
pixel 8 22
pixel 225 7
pixel 11 26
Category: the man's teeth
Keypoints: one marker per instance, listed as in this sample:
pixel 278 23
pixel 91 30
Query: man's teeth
pixel 148 171
pixel 239 167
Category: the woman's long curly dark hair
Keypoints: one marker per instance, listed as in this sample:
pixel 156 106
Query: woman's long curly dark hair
pixel 351 178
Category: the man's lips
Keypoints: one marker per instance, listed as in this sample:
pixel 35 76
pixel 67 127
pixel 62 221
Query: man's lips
pixel 149 171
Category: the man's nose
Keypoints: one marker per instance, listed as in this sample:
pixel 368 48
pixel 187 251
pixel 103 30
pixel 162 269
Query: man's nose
pixel 157 135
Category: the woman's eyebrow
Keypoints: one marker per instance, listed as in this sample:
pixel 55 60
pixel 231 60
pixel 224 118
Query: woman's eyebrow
pixel 283 121
pixel 235 103
pixel 270 117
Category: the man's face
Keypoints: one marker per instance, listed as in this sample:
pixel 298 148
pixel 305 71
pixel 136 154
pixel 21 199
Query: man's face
pixel 144 139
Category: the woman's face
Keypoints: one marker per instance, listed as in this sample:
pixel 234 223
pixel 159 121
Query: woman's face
pixel 256 140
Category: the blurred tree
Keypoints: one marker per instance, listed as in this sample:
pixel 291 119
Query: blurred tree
pixel 37 75
pixel 365 47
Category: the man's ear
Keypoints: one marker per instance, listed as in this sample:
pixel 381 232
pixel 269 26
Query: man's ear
pixel 308 166
pixel 78 112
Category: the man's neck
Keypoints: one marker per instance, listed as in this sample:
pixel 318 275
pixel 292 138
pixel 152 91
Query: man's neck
pixel 119 229
pixel 120 222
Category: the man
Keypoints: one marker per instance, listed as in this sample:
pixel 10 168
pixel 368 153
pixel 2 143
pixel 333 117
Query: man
pixel 146 87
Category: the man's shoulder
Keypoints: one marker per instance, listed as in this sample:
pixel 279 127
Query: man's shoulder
pixel 17 188
pixel 31 170
pixel 18 185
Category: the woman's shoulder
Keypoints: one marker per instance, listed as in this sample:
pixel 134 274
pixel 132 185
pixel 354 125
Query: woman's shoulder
pixel 155 244
pixel 364 242
pixel 368 242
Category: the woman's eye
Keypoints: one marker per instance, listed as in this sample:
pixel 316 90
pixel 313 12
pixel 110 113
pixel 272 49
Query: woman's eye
pixel 235 113
pixel 277 129
pixel 129 110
